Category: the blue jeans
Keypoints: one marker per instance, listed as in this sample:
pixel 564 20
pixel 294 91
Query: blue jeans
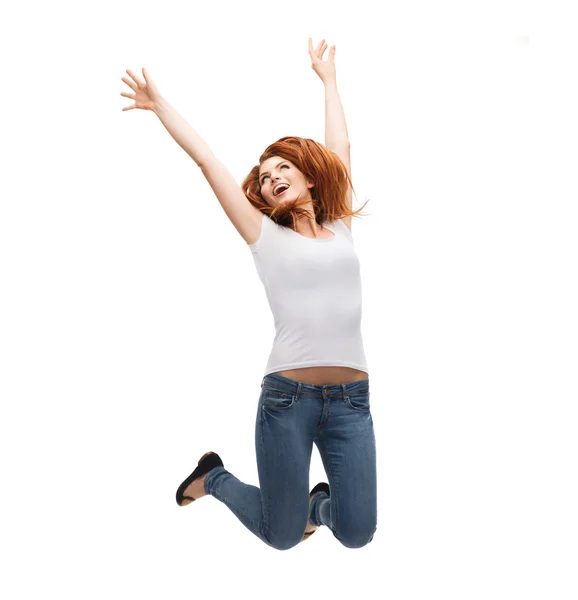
pixel 291 416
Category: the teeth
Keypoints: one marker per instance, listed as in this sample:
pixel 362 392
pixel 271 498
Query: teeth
pixel 282 187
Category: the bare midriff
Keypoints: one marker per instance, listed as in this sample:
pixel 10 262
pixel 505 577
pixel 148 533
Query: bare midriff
pixel 324 375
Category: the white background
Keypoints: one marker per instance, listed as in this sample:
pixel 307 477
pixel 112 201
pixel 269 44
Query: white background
pixel 135 330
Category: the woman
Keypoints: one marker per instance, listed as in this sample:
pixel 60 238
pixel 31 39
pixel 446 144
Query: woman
pixel 294 212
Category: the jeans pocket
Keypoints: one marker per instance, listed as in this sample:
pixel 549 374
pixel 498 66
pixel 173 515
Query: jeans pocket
pixel 359 401
pixel 277 400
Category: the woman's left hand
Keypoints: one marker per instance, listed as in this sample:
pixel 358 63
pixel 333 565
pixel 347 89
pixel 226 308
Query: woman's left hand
pixel 324 68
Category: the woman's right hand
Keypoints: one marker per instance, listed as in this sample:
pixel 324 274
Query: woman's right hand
pixel 146 94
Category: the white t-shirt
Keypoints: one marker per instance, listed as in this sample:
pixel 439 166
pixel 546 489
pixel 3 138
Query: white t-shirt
pixel 314 291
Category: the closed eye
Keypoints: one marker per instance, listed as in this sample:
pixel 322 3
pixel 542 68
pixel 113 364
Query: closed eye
pixel 265 176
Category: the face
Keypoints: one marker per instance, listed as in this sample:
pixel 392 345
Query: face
pixel 276 170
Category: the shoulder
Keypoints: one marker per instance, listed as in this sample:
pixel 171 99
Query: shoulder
pixel 255 220
pixel 347 222
pixel 344 224
pixel 340 225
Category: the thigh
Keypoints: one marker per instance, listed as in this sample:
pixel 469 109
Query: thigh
pixel 284 444
pixel 347 447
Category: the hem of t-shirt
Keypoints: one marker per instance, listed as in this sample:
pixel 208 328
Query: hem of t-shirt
pixel 316 363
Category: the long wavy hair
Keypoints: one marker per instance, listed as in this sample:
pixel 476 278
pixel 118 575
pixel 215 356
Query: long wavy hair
pixel 319 165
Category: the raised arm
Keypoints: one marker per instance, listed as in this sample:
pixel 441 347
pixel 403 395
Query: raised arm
pixel 244 216
pixel 147 97
pixel 335 128
pixel 336 136
pixel 185 136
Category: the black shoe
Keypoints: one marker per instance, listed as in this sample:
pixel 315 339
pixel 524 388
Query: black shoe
pixel 320 487
pixel 208 461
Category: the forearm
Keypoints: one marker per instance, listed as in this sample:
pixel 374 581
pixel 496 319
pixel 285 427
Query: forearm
pixel 187 138
pixel 335 127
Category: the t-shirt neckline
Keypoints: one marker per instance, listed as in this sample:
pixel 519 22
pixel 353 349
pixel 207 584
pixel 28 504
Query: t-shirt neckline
pixel 330 239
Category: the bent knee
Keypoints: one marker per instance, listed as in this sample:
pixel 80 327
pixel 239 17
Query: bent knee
pixel 282 542
pixel 285 546
pixel 357 540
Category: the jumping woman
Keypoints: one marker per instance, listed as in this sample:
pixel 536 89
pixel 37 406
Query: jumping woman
pixel 294 212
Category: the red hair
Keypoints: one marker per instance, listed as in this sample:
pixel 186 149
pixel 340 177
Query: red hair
pixel 319 165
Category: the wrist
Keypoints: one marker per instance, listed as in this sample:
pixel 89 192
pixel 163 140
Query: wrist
pixel 161 105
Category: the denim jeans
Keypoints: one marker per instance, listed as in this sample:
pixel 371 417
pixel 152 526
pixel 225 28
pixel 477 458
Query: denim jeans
pixel 291 416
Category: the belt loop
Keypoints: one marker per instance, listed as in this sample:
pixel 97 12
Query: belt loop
pixel 299 385
pixel 344 391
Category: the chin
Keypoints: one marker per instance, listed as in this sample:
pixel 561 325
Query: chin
pixel 279 202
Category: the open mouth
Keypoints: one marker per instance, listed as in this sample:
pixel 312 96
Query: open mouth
pixel 281 193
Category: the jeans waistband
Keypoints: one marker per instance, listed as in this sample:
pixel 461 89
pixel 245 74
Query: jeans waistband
pixel 292 386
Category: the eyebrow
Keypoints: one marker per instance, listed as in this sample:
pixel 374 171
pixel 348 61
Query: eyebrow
pixel 266 172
